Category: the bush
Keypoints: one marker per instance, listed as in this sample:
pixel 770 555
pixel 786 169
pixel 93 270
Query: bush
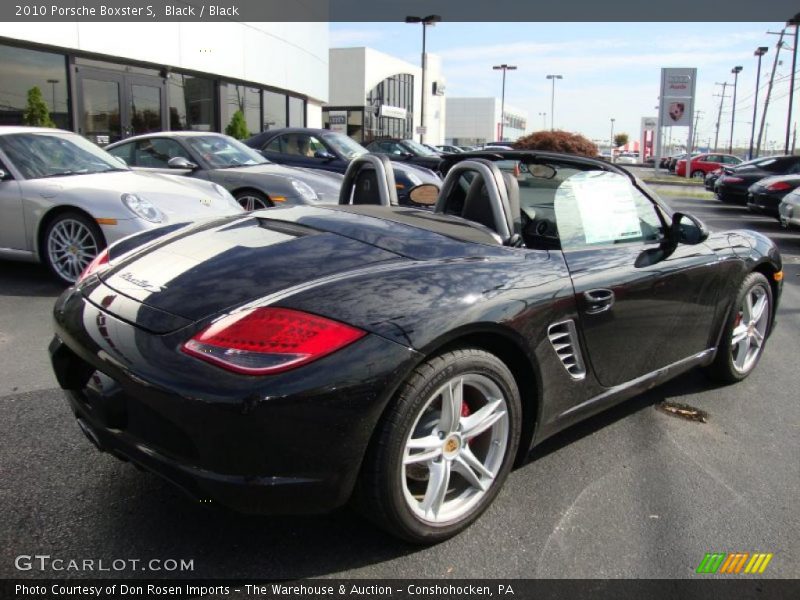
pixel 557 141
pixel 620 139
pixel 237 128
pixel 37 114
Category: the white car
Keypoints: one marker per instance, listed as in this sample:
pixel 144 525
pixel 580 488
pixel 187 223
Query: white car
pixel 63 199
pixel 789 209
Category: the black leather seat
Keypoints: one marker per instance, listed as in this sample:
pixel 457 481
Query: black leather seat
pixel 478 205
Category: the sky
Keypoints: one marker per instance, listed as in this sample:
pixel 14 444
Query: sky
pixel 610 70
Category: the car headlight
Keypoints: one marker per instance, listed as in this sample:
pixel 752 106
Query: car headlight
pixel 227 196
pixel 304 190
pixel 142 208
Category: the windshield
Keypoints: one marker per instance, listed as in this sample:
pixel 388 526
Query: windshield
pixel 418 148
pixel 38 155
pixel 346 146
pixel 222 152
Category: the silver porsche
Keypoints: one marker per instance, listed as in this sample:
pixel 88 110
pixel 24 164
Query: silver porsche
pixel 63 199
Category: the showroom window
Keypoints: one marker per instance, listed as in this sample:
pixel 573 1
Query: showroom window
pixel 191 103
pixel 21 70
pixel 274 110
pixel 297 112
pixel 248 100
pixel 395 92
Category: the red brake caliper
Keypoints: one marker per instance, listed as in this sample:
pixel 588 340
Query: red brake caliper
pixel 465 412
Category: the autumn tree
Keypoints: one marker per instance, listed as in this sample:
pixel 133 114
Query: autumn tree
pixel 557 141
pixel 620 139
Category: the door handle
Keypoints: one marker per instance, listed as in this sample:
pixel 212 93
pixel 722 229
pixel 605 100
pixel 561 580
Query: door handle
pixel 599 300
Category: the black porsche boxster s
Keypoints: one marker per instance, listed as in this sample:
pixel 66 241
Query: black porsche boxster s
pixel 294 359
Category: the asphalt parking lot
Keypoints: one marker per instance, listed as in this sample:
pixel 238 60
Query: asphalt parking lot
pixel 631 493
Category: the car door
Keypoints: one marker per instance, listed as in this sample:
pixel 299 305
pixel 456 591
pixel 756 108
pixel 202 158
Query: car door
pixel 12 217
pixel 641 307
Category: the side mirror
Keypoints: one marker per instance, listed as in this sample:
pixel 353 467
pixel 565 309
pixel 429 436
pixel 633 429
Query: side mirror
pixel 687 229
pixel 425 195
pixel 324 154
pixel 179 162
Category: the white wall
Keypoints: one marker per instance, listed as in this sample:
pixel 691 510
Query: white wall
pixel 478 119
pixel 293 56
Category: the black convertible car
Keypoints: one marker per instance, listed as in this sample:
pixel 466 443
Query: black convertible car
pixel 294 359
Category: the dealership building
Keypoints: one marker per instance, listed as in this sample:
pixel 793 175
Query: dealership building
pixel 111 80
pixel 474 121
pixel 373 95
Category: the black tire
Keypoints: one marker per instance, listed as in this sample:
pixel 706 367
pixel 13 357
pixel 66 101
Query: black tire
pixel 64 272
pixel 698 174
pixel 380 493
pixel 723 369
pixel 250 200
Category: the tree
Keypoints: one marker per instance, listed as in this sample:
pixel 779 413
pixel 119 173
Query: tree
pixel 620 139
pixel 37 114
pixel 557 141
pixel 237 128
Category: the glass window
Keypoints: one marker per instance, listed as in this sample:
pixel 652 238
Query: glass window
pixel 298 144
pixel 145 109
pixel 100 116
pixel 598 208
pixel 274 110
pixel 192 103
pixel 55 154
pixel 155 153
pixel 344 145
pixel 22 70
pixel 297 112
pixel 248 100
pixel 123 151
pixel 221 151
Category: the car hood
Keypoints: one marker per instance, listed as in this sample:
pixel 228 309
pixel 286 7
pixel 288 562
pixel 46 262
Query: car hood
pixel 179 198
pixel 203 270
pixel 326 185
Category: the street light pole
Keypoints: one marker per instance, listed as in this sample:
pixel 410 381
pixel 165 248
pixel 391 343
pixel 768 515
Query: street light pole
pixel 796 22
pixel 544 120
pixel 553 99
pixel 504 67
pixel 735 71
pixel 612 139
pixel 425 21
pixel 760 51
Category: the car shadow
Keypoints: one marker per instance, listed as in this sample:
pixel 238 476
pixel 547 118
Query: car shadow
pixel 27 279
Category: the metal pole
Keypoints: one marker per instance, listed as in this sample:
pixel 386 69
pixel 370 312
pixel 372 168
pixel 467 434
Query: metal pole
pixel 422 96
pixel 503 107
pixel 552 103
pixel 719 114
pixel 761 51
pixel 735 71
pixel 769 91
pixel 612 140
pixel 796 22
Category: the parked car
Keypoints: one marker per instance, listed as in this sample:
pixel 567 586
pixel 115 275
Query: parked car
pixel 407 151
pixel 789 210
pixel 735 182
pixel 702 164
pixel 765 195
pixel 673 160
pixel 446 148
pixel 467 148
pixel 711 178
pixel 404 357
pixel 253 180
pixel 330 151
pixel 63 199
pixel 433 148
pixel 626 158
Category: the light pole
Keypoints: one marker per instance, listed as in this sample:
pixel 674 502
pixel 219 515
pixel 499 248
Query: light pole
pixel 53 82
pixel 760 51
pixel 735 71
pixel 544 120
pixel 429 20
pixel 613 146
pixel 794 21
pixel 504 67
pixel 553 99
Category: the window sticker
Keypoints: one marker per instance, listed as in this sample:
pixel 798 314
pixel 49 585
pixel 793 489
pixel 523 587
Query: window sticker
pixel 605 205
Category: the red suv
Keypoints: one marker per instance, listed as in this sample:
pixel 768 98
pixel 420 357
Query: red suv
pixel 705 163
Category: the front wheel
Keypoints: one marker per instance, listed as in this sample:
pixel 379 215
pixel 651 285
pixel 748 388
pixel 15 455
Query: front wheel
pixel 70 242
pixel 444 448
pixel 252 200
pixel 698 174
pixel 746 330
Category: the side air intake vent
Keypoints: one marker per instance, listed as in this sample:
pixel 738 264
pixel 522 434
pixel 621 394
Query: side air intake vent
pixel 564 339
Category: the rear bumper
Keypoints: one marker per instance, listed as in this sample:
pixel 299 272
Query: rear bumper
pixel 285 444
pixel 763 203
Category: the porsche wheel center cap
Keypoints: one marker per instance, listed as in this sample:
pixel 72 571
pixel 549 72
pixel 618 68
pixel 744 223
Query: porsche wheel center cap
pixel 452 446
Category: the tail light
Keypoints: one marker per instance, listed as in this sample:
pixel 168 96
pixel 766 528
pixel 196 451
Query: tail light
pixel 730 179
pixel 98 263
pixel 263 341
pixel 779 186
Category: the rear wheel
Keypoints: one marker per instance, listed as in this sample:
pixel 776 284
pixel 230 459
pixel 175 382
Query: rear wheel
pixel 745 332
pixel 71 240
pixel 444 448
pixel 698 174
pixel 252 200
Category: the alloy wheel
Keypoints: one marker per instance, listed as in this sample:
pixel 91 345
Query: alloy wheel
pixel 750 329
pixel 251 202
pixel 71 246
